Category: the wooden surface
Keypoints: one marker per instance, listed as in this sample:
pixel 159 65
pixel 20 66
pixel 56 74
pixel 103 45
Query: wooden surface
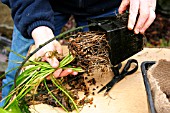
pixel 127 96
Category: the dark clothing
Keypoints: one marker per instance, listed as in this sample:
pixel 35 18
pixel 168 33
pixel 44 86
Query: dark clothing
pixel 29 14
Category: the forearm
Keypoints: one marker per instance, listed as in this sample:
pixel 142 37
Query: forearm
pixel 41 35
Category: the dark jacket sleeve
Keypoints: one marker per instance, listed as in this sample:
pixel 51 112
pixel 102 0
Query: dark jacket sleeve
pixel 29 14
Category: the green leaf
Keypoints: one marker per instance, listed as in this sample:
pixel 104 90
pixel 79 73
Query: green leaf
pixel 69 58
pixel 3 110
pixel 13 108
pixel 77 69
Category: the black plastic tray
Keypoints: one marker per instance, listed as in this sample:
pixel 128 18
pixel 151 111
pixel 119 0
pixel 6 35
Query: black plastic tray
pixel 144 68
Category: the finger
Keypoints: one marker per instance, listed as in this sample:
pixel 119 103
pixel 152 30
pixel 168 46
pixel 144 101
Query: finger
pixel 123 6
pixel 51 60
pixel 57 73
pixel 48 77
pixel 134 8
pixel 144 15
pixel 149 21
pixel 74 73
pixel 66 72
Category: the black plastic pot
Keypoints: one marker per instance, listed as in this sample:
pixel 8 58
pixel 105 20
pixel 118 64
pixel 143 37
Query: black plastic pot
pixel 123 42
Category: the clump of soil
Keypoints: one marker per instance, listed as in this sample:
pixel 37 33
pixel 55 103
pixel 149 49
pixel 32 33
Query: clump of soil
pixel 71 84
pixel 90 50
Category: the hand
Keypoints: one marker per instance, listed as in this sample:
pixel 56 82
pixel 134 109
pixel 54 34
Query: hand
pixel 146 10
pixel 41 35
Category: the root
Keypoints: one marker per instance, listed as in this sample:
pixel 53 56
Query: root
pixel 91 50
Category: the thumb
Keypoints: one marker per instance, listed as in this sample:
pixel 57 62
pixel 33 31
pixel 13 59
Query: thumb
pixel 58 47
pixel 51 59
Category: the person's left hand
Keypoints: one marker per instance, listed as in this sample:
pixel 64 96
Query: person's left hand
pixel 41 35
pixel 146 11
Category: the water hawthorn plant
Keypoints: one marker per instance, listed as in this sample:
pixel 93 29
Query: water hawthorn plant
pixel 28 80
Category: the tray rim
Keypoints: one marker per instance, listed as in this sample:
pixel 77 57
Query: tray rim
pixel 144 68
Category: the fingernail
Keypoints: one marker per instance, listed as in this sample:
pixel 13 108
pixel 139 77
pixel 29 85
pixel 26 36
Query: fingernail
pixel 120 10
pixel 55 65
pixel 74 73
pixel 69 70
pixel 136 31
pixel 130 26
pixel 60 51
pixel 142 31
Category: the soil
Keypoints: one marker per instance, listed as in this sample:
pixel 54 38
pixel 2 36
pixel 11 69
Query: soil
pixel 71 84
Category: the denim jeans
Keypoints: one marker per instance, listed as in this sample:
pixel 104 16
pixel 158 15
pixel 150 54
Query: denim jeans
pixel 21 45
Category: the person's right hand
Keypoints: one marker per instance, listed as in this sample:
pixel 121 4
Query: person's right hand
pixel 146 11
pixel 41 35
